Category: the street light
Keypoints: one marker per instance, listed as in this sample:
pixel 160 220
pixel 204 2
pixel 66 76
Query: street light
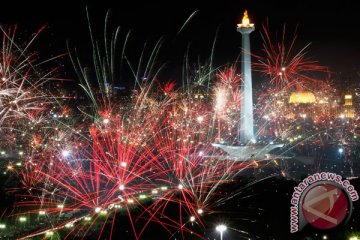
pixel 221 228
pixel 340 150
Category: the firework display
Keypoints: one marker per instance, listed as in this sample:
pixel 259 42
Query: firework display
pixel 142 149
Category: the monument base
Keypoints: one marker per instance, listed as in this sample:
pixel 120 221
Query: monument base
pixel 249 152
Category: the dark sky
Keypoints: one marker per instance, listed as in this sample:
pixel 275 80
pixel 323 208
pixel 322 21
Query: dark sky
pixel 331 26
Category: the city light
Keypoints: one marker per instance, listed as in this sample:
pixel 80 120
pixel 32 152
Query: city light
pixel 69 225
pixel 221 229
pixel 49 233
pixel 42 213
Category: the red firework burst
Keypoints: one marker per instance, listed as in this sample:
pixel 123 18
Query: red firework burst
pixel 284 64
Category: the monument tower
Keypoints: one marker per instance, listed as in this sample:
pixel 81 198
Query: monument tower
pixel 246 128
pixel 245 151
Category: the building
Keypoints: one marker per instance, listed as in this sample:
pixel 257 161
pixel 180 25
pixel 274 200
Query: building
pixel 348 110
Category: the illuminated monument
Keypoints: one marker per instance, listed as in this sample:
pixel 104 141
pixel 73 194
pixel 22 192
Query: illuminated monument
pixel 246 134
pixel 246 128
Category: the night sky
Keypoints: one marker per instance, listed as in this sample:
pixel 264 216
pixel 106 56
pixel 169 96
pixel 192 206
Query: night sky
pixel 331 26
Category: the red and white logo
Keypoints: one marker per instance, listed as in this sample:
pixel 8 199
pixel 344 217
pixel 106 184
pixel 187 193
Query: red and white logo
pixel 325 206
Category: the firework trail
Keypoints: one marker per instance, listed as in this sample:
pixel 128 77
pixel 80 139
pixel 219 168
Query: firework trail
pixel 286 66
pixel 111 160
pixel 140 155
pixel 288 70
pixel 25 101
pixel 22 92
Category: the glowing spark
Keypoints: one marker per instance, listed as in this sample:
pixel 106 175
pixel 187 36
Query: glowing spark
pixel 65 153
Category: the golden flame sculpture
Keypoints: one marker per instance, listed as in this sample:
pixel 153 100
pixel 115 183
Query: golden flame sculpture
pixel 245 21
